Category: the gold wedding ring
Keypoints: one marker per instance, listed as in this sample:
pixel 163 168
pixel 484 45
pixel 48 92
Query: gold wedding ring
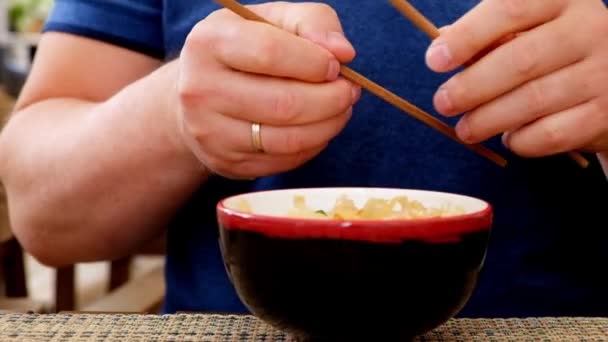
pixel 256 137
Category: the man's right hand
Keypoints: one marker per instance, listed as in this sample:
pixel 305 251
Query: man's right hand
pixel 234 72
pixel 96 141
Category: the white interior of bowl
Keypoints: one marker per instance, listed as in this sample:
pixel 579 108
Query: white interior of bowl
pixel 279 202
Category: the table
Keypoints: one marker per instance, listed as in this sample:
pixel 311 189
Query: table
pixel 207 327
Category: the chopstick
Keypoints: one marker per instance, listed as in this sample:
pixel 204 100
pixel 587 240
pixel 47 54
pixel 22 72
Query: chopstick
pixel 424 25
pixel 383 93
pixel 419 20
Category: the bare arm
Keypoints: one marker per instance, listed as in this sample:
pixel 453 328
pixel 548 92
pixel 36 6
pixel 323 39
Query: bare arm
pixel 93 161
pixel 90 159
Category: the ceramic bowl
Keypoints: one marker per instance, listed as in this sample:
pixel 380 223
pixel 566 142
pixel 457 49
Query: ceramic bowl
pixel 323 279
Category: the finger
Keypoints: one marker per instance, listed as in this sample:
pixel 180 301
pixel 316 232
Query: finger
pixel 488 22
pixel 222 143
pixel 210 134
pixel 218 140
pixel 566 88
pixel 222 135
pixel 278 102
pixel 294 139
pixel 489 49
pixel 531 55
pixel 259 165
pixel 317 22
pixel 568 130
pixel 263 49
pixel 322 26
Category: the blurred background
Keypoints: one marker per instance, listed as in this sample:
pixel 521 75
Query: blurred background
pixel 132 284
pixel 21 22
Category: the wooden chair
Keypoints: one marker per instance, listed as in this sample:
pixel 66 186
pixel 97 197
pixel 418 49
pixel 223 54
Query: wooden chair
pixel 13 284
pixel 143 294
pixel 65 288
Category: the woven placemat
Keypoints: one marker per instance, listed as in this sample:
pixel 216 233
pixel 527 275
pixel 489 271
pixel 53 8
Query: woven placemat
pixel 130 328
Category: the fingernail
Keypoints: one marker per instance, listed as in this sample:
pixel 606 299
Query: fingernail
pixel 442 102
pixel 333 70
pixel 505 140
pixel 356 91
pixel 439 57
pixel 337 39
pixel 463 131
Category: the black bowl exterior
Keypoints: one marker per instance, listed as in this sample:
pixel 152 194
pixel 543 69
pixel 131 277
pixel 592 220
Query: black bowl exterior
pixel 353 290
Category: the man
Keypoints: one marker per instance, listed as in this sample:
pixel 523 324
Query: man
pixel 138 115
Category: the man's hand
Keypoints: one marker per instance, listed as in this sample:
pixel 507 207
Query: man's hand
pixel 235 72
pixel 545 88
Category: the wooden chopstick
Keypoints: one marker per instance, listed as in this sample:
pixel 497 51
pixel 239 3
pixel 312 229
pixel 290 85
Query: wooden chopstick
pixel 381 92
pixel 424 25
pixel 419 20
pixel 417 113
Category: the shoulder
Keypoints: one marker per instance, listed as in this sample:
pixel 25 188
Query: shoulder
pixel 133 24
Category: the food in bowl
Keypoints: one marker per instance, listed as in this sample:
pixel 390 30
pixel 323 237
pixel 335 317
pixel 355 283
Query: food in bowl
pixel 398 207
pixel 335 279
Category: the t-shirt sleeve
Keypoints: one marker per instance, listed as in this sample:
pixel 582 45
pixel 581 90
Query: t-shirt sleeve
pixel 133 24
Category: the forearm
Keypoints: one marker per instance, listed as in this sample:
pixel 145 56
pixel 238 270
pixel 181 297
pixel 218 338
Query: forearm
pixel 87 181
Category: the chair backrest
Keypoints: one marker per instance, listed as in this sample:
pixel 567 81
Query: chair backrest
pixel 6 233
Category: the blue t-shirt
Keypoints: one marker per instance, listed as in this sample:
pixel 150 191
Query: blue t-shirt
pixel 549 247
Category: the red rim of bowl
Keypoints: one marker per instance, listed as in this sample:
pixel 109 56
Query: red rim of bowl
pixel 441 229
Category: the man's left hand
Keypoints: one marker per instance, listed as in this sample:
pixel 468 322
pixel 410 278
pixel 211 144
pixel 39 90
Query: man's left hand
pixel 545 87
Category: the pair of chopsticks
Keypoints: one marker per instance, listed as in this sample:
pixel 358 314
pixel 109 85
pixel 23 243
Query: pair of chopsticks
pixel 424 25
pixel 381 92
